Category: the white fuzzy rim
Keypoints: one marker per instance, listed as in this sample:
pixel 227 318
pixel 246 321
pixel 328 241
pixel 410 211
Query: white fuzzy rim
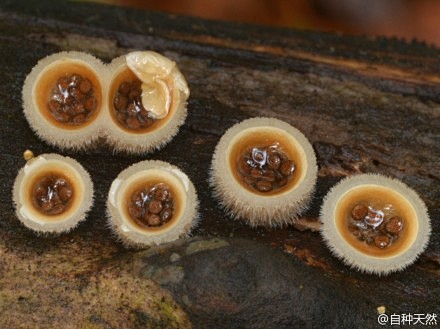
pixel 80 137
pixel 134 236
pixel 260 210
pixel 66 221
pixel 138 143
pixel 354 257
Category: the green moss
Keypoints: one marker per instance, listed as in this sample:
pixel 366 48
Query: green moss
pixel 168 317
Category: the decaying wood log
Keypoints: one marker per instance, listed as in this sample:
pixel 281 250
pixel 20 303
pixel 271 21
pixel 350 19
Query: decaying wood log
pixel 365 105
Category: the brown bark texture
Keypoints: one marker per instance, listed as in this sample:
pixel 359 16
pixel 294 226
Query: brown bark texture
pixel 365 105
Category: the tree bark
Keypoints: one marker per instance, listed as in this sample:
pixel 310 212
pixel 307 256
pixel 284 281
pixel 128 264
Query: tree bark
pixel 366 105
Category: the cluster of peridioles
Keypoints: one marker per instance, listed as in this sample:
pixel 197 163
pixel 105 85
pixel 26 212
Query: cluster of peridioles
pixel 137 103
pixel 263 170
pixel 248 174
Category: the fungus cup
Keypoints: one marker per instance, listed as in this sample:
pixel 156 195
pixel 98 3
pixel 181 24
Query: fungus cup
pixel 147 102
pixel 52 193
pixel 137 102
pixel 374 223
pixel 63 99
pixel 264 171
pixel 151 202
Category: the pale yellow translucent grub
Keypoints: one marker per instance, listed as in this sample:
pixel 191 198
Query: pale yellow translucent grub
pixel 153 70
pixel 156 98
pixel 158 134
pixel 27 155
pixel 165 94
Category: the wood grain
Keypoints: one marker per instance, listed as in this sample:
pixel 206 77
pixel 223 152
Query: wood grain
pixel 366 106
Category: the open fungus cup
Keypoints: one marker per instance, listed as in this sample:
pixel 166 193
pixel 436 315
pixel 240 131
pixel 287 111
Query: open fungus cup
pixel 63 98
pixel 147 102
pixel 264 171
pixel 374 223
pixel 137 102
pixel 151 202
pixel 52 193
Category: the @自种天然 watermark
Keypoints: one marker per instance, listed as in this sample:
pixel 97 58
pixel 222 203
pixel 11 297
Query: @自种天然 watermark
pixel 408 319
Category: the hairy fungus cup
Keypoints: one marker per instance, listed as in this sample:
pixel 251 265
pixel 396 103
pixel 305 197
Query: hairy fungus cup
pixel 63 98
pixel 264 171
pixel 137 102
pixel 374 223
pixel 147 101
pixel 151 202
pixel 52 193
